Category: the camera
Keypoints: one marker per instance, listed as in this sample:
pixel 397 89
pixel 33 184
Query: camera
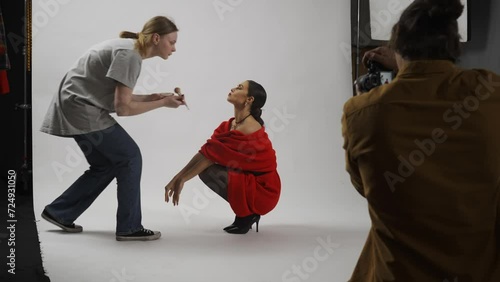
pixel 376 76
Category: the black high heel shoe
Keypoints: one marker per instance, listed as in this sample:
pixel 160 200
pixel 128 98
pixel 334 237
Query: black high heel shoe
pixel 242 225
pixel 236 220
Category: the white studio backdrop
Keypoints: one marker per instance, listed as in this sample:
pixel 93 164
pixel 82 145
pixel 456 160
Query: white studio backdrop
pixel 295 48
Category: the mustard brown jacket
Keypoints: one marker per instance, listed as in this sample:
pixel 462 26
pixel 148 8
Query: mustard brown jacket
pixel 424 151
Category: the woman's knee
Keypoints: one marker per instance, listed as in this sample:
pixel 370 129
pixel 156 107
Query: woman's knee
pixel 214 175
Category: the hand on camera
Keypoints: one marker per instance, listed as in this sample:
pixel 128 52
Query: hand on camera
pixel 384 55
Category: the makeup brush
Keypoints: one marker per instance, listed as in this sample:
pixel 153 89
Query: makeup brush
pixel 177 90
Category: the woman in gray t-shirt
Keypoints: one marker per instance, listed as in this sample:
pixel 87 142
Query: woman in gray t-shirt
pixel 102 82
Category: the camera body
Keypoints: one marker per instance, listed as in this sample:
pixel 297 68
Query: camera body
pixel 376 76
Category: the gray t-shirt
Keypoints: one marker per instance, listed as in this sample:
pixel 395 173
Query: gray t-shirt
pixel 86 93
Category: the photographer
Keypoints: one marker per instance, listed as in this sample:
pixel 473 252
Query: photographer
pixel 424 151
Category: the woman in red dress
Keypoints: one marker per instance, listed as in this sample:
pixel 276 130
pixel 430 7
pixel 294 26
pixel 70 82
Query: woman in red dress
pixel 238 162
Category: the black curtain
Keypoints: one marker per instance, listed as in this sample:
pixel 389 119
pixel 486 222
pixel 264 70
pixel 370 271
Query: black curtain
pixel 20 257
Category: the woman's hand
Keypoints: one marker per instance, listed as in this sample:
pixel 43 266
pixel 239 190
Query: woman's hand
pixel 173 189
pixel 384 55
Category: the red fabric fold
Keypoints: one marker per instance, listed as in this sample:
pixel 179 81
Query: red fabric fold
pixel 4 82
pixel 245 155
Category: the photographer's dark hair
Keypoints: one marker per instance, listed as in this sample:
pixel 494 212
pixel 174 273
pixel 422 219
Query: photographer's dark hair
pixel 259 95
pixel 428 29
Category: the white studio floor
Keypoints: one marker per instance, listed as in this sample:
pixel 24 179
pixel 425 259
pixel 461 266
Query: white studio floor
pixel 289 247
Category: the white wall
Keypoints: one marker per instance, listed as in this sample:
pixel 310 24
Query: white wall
pixel 295 49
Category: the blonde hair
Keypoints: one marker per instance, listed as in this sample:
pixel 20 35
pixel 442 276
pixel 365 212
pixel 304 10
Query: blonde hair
pixel 159 24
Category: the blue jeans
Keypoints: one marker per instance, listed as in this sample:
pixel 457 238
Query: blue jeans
pixel 111 153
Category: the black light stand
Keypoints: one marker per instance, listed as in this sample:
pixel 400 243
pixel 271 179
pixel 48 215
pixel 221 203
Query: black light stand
pixel 357 59
pixel 25 171
pixel 358 28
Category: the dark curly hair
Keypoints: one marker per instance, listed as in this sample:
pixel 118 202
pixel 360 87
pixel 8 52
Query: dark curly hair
pixel 428 29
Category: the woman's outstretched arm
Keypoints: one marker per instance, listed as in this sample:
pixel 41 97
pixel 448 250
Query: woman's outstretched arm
pixel 195 166
pixel 128 104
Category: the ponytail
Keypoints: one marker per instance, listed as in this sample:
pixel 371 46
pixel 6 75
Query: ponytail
pixel 256 113
pixel 259 95
pixel 128 34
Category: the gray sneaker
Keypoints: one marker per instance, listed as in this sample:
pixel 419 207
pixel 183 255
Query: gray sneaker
pixel 71 228
pixel 141 235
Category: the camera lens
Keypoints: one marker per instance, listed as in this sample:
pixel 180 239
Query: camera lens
pixel 370 80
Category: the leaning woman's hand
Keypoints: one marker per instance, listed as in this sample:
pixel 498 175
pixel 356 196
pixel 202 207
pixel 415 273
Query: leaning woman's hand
pixel 173 189
pixel 159 96
pixel 173 101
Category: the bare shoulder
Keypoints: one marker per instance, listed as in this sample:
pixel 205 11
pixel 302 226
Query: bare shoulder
pixel 251 127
